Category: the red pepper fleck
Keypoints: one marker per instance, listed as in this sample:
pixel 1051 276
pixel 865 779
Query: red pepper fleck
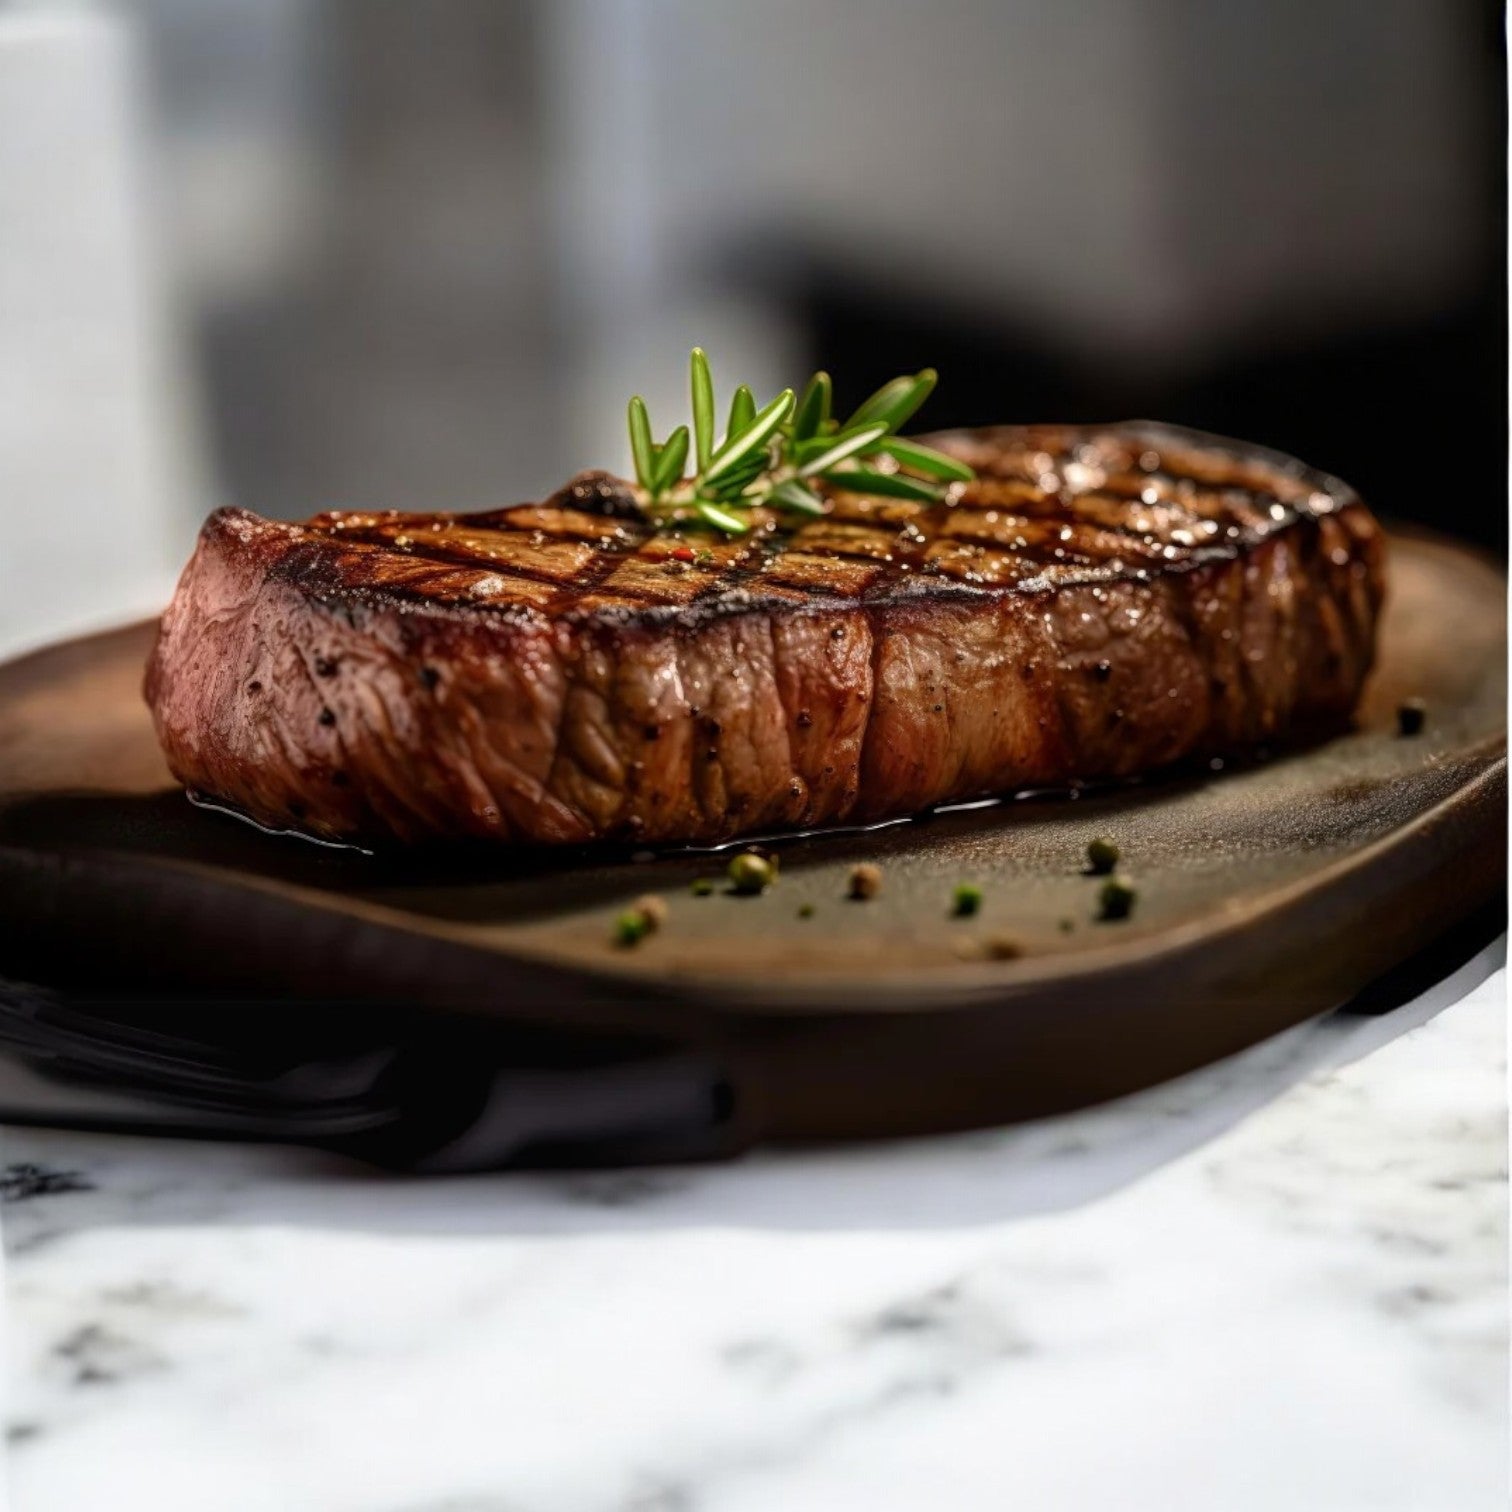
pixel 683 553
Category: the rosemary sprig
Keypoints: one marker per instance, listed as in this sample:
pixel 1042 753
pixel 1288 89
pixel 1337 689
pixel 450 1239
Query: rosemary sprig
pixel 769 455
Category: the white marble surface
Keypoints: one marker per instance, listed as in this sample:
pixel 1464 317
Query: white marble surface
pixel 1279 1283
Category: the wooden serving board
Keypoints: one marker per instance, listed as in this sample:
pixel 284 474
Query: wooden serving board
pixel 1267 893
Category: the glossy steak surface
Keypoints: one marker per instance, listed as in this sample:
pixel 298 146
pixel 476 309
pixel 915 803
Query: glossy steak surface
pixel 1101 602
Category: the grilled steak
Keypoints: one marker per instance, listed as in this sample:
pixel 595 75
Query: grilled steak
pixel 1100 602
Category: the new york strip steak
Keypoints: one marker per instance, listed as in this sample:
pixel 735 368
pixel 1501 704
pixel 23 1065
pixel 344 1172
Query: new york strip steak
pixel 1099 603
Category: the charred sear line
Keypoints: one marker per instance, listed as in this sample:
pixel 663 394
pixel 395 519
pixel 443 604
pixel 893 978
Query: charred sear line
pixel 1052 506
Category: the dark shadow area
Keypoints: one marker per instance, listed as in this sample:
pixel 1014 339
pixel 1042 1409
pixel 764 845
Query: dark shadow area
pixel 631 1107
pixel 1409 407
pixel 1413 415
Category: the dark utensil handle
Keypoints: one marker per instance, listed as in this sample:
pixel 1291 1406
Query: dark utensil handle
pixel 434 1098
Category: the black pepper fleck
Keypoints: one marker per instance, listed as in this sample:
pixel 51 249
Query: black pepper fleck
pixel 1102 856
pixel 1115 898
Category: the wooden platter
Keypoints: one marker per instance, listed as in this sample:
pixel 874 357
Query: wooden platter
pixel 1267 893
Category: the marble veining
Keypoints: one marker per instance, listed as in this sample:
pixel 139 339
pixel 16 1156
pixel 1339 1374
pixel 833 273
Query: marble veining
pixel 1279 1282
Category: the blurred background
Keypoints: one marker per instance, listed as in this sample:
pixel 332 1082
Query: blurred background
pixel 300 253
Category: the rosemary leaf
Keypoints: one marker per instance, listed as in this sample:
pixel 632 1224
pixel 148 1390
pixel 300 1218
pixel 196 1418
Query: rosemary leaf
pixel 740 472
pixel 794 496
pixel 926 460
pixel 848 444
pixel 732 484
pixel 760 429
pixel 880 403
pixel 742 412
pixel 728 495
pixel 720 518
pixel 894 402
pixel 799 452
pixel 813 408
pixel 670 460
pixel 703 408
pixel 863 480
pixel 756 460
pixel 640 444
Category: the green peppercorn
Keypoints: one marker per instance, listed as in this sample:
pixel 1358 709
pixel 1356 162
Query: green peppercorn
pixel 966 900
pixel 640 919
pixel 750 873
pixel 1102 856
pixel 702 887
pixel 805 910
pixel 631 928
pixel 1066 925
pixel 1116 898
pixel 1411 715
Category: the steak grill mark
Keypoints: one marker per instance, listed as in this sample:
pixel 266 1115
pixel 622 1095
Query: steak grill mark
pixel 1049 503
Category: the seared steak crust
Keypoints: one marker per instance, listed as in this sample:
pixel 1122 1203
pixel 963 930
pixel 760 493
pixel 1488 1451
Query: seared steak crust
pixel 1100 602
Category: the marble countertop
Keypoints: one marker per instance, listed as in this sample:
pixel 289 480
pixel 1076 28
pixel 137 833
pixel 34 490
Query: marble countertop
pixel 1277 1283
